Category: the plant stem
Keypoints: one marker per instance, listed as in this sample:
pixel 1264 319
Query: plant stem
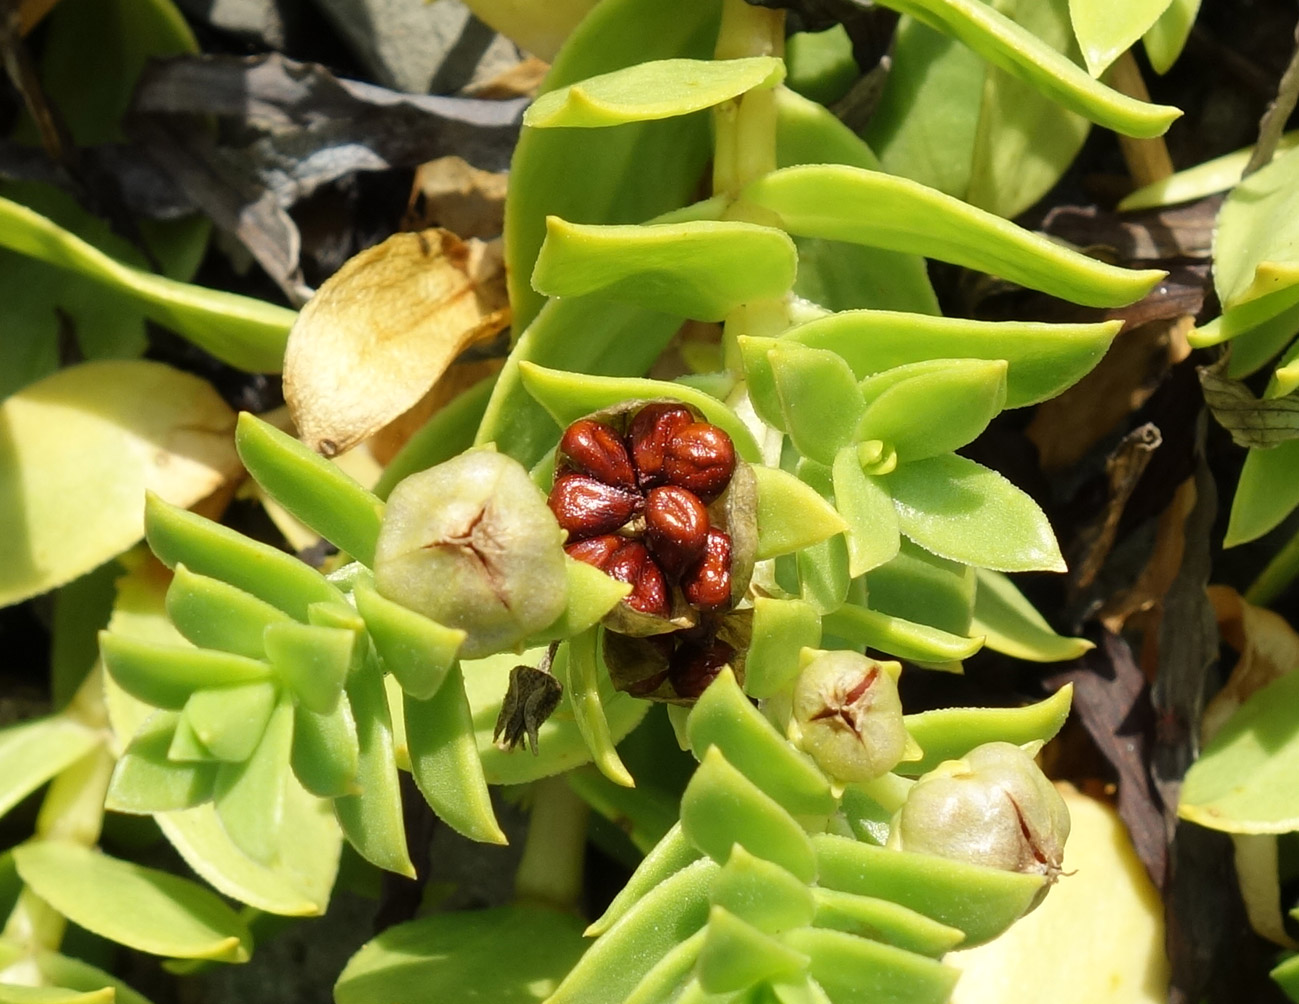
pixel 1147 159
pixel 550 873
pixel 1272 125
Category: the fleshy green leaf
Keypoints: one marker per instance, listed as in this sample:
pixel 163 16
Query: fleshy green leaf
pixel 165 675
pixel 657 89
pixel 867 207
pixel 781 628
pixel 736 955
pixel 229 721
pixel 444 760
pixel 791 514
pixel 416 650
pixel 146 778
pixel 249 796
pixel 1247 777
pixel 1016 50
pixel 1258 226
pixel 326 753
pixel 1216 175
pixel 967 513
pixel 855 970
pixel 312 661
pixel 896 636
pixel 507 955
pixel 34 752
pixel 214 614
pixel 1167 36
pixel 65 971
pixel 311 488
pixel 762 893
pixel 820 401
pixel 142 908
pixel 867 507
pixel 1267 492
pixel 238 330
pixel 702 270
pixel 1105 32
pixel 880 920
pixel 591 595
pixel 950 733
pixel 919 586
pixel 11 993
pixel 1011 625
pixel 577 667
pixel 123 426
pixel 671 854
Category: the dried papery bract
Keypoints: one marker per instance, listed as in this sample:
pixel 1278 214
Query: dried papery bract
pixel 471 544
pixel 993 807
pixel 848 717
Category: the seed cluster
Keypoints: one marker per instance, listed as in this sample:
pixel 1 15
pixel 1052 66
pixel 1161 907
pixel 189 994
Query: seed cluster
pixel 636 507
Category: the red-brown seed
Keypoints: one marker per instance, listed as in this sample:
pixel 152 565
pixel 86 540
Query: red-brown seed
pixel 632 564
pixel 651 431
pixel 695 665
pixel 586 507
pixel 707 584
pixel 700 457
pixel 596 550
pixel 676 528
pixel 594 448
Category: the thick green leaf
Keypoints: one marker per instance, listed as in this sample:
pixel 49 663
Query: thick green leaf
pixel 578 667
pixel 444 760
pixel 980 901
pixel 591 595
pixel 881 920
pixel 1247 778
pixel 702 270
pixel 669 978
pixel 781 628
pixel 1167 36
pixel 792 515
pixel 867 507
pixel 304 863
pixel 1216 175
pixel 962 511
pixel 1016 50
pixel 866 207
pixel 657 89
pixel 820 402
pixel 11 993
pixel 142 908
pixel 671 854
pixel 326 750
pixel 896 636
pixel 65 971
pixel 166 675
pixel 820 64
pixel 34 752
pixel 205 547
pixel 856 970
pixel 146 778
pixel 762 893
pixel 229 721
pixel 624 175
pixel 933 408
pixel 239 330
pixel 1258 227
pixel 310 487
pixel 214 614
pixel 506 955
pixel 414 649
pixel 824 575
pixel 124 427
pixel 312 661
pixel 1267 492
pixel 722 808
pixel 249 796
pixel 919 586
pixel 1106 32
pixel 950 733
pixel 736 955
pixel 1011 625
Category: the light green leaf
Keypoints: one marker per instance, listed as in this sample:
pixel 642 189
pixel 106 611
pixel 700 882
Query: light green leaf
pixel 791 514
pixel 444 760
pixel 1267 492
pixel 820 402
pixel 147 779
pixel 577 666
pixel 214 614
pixel 1247 777
pixel 1020 53
pixel 312 661
pixel 866 207
pixel 123 427
pixel 671 854
pixel 304 862
pixel 1196 182
pixel 1258 229
pixel 417 651
pixel 735 955
pixel 1105 32
pixel 314 490
pixel 919 586
pixel 1011 625
pixel 820 64
pixel 781 628
pixel 896 636
pixel 229 721
pixel 326 753
pixel 34 752
pixel 166 675
pixel 1167 36
pixel 247 333
pixel 599 175
pixel 867 507
pixel 507 955
pixel 142 908
pixel 11 993
pixel 657 89
pixel 702 270
pixel 69 972
pixel 856 970
pixel 880 920
pixel 591 595
pixel 967 513
pixel 249 796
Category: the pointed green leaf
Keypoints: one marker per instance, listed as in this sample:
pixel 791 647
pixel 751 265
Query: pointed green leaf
pixel 165 675
pixel 1105 33
pixel 762 894
pixel 919 586
pixel 64 971
pixel 1004 43
pixel 1011 625
pixel 657 89
pixel 11 993
pixel 880 920
pixel 214 614
pixel 205 547
pixel 956 397
pixel 444 760
pixel 591 595
pixel 791 515
pixel 238 330
pixel 577 668
pixel 326 750
pixel 721 807
pixel 866 506
pixel 671 854
pixel 1267 492
pixel 311 661
pixel 702 270
pixel 950 733
pixel 668 977
pixel 1167 36
pixel 142 908
pixel 34 752
pixel 186 747
pixel 229 721
pixel 1254 246
pixel 819 399
pixel 902 638
pixel 314 490
pixel 416 650
pixel 249 796
pixel 147 780
pixel 855 970
pixel 967 513
pixel 781 628
pixel 736 955
pixel 866 207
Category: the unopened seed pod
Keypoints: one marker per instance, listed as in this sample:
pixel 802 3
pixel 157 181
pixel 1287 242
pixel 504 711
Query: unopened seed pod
pixel 992 807
pixel 472 544
pixel 847 716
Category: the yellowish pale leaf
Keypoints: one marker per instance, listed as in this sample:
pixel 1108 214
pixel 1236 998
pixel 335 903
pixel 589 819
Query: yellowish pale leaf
pixel 1268 647
pixel 383 329
pixel 1098 936
pixel 78 451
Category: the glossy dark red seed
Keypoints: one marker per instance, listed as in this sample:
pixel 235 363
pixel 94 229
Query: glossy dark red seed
pixel 707 584
pixel 701 458
pixel 586 507
pixel 695 665
pixel 632 564
pixel 676 528
pixel 651 431
pixel 595 550
pixel 595 449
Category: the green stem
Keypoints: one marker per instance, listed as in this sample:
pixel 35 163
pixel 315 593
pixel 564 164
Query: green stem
pixel 550 873
pixel 1279 573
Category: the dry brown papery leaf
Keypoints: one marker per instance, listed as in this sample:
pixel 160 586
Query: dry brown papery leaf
pixel 450 192
pixel 384 328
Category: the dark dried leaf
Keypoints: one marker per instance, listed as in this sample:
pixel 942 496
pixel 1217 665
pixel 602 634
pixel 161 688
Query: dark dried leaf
pixel 532 697
pixel 1123 470
pixel 1252 422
